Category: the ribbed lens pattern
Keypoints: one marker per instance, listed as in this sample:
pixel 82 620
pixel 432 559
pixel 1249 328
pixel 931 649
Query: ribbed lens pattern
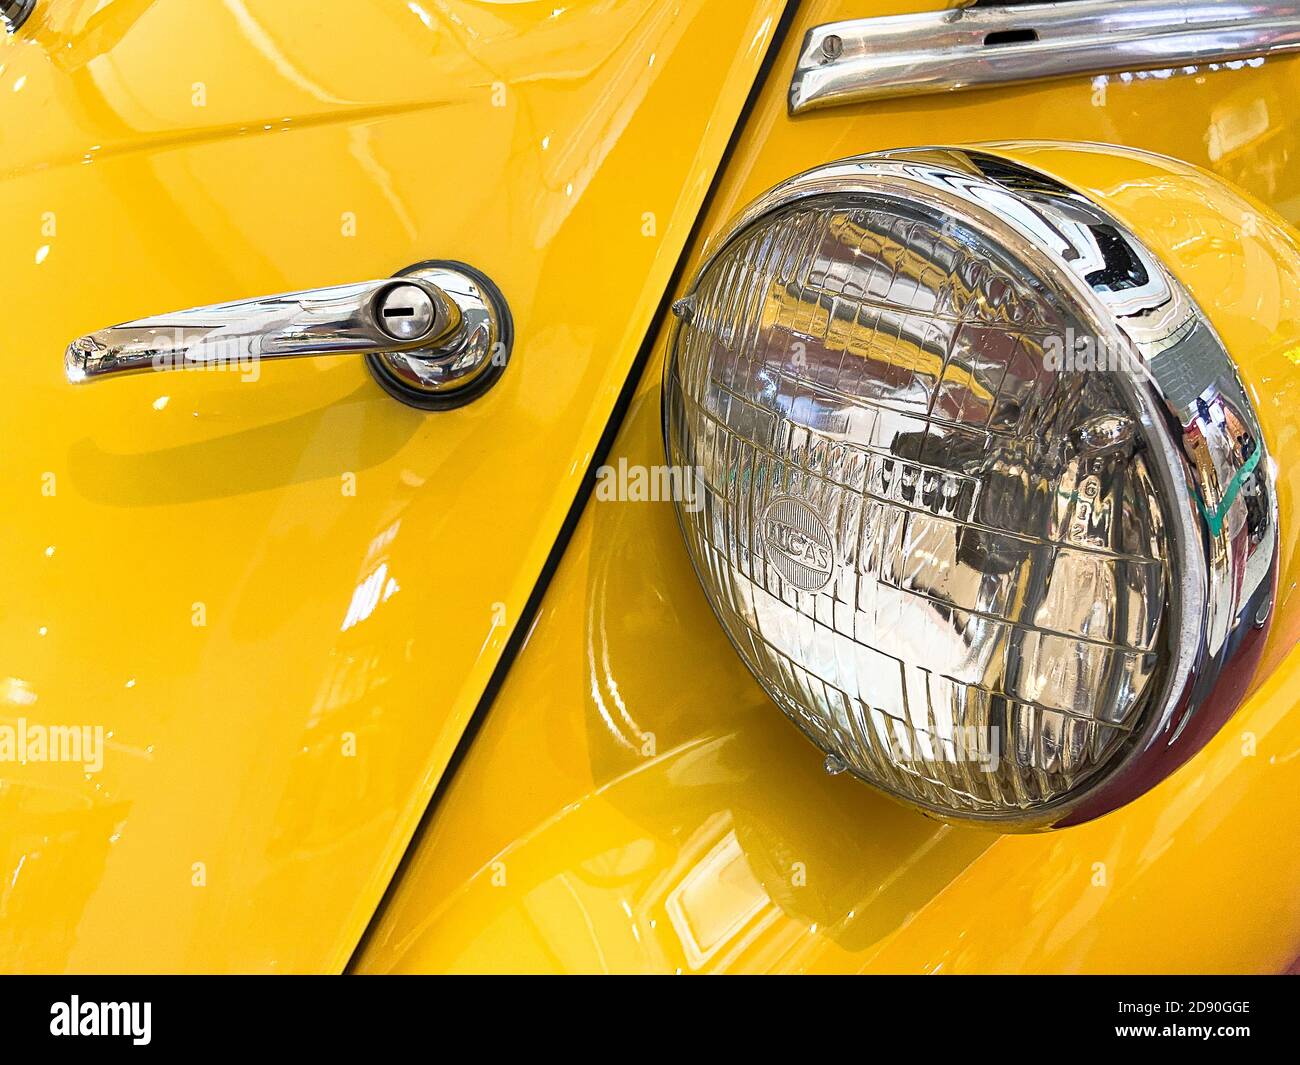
pixel 943 558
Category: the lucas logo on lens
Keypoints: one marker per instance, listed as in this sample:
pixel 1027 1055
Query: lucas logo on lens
pixel 797 542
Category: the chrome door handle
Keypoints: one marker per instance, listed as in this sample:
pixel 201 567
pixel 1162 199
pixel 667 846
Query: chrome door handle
pixel 436 334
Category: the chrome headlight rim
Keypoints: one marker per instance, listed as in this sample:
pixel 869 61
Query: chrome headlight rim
pixel 1215 627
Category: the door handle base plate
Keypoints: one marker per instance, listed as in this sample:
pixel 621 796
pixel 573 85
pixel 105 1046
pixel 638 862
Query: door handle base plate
pixel 466 363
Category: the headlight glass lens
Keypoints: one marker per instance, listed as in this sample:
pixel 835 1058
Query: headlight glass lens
pixel 944 559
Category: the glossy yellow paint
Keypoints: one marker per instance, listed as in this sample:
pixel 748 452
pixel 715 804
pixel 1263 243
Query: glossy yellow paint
pixel 633 802
pixel 281 598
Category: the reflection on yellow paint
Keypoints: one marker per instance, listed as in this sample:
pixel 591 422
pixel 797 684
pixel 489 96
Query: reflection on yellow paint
pixel 718 904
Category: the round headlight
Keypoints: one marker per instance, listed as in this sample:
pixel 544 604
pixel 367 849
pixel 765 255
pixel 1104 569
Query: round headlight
pixel 983 504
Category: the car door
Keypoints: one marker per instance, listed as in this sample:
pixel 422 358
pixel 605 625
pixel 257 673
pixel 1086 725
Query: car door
pixel 276 591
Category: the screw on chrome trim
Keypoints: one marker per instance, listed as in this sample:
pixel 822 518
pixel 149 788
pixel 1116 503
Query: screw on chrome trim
pixel 13 13
pixel 832 47
pixel 834 765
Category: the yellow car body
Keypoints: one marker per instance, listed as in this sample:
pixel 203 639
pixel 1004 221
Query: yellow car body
pixel 539 711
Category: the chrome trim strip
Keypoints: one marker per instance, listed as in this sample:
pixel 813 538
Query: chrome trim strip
pixel 946 51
